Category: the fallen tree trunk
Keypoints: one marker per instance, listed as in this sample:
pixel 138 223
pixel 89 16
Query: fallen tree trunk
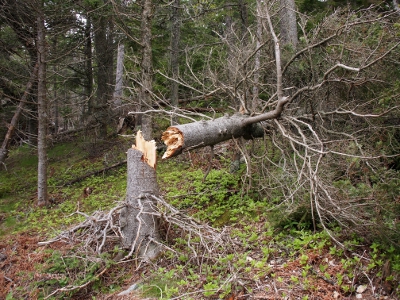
pixel 208 133
pixel 138 219
pixel 17 114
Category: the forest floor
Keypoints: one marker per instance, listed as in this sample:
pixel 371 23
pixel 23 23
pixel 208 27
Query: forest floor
pixel 257 260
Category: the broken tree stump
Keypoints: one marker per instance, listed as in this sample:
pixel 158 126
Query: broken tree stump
pixel 138 219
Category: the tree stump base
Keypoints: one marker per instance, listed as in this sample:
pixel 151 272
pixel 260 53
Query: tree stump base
pixel 138 220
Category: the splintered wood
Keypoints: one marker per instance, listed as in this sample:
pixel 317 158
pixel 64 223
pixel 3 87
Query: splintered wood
pixel 147 148
pixel 173 138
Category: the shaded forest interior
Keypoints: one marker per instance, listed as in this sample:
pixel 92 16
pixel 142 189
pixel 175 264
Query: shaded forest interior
pixel 282 115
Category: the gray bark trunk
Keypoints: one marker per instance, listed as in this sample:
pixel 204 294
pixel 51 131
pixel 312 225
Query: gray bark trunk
pixel 139 226
pixel 396 5
pixel 119 76
pixel 175 37
pixel 288 23
pixel 257 58
pixel 147 69
pixel 42 116
pixel 207 133
pixel 17 115
pixel 89 66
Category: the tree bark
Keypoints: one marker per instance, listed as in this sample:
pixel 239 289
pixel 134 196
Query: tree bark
pixel 147 69
pixel 257 58
pixel 42 115
pixel 139 225
pixel 17 115
pixel 396 5
pixel 117 101
pixel 175 37
pixel 288 23
pixel 104 57
pixel 207 133
pixel 89 66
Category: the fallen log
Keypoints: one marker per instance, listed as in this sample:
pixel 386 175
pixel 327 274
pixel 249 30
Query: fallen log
pixel 208 133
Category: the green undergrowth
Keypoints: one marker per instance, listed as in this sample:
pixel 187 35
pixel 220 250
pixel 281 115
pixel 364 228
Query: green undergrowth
pixel 68 162
pixel 290 260
pixel 216 197
pixel 264 255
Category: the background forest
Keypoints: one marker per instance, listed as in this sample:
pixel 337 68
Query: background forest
pixel 301 202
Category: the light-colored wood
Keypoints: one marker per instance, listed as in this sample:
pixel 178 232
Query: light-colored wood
pixel 173 138
pixel 148 148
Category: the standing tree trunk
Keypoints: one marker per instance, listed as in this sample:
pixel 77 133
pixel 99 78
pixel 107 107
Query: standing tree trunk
pixel 140 226
pixel 88 67
pixel 257 58
pixel 42 114
pixel 117 101
pixel 396 5
pixel 175 37
pixel 17 114
pixel 288 23
pixel 147 69
pixel 243 17
pixel 104 58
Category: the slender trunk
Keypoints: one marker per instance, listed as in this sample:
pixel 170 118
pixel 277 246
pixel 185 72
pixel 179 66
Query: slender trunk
pixel 100 43
pixel 55 94
pixel 233 67
pixel 175 37
pixel 243 17
pixel 89 67
pixel 147 66
pixel 42 115
pixel 244 69
pixel 396 5
pixel 257 58
pixel 17 115
pixel 119 76
pixel 288 23
pixel 104 60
